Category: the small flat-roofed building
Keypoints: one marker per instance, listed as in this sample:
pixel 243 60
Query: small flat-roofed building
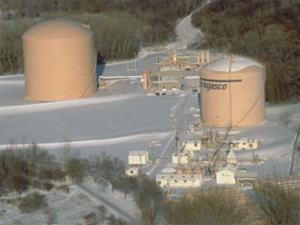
pixel 132 171
pixel 245 144
pixel 179 180
pixel 191 147
pixel 138 157
pixel 168 78
pixel 245 178
pixel 183 157
pixel 226 175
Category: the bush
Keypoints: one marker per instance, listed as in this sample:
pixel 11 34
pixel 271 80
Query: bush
pixel 214 207
pixel 51 174
pixel 102 211
pixel 48 186
pixel 32 202
pixel 74 169
pixel 65 188
pixel 149 199
pixel 19 183
pixel 37 184
pixel 90 219
pixel 279 204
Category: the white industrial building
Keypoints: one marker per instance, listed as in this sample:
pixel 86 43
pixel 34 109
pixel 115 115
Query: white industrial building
pixel 226 175
pixel 232 175
pixel 191 147
pixel 179 180
pixel 138 157
pixel 183 158
pixel 245 144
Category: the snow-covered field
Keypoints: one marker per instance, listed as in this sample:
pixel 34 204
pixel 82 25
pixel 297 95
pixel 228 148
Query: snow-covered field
pixel 122 122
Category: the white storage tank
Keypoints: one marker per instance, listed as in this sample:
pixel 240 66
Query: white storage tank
pixel 233 92
pixel 59 61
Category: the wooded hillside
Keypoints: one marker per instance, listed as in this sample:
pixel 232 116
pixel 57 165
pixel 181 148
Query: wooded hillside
pixel 121 27
pixel 266 30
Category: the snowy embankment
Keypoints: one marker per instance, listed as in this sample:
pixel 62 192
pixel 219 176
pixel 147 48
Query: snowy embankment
pixel 92 143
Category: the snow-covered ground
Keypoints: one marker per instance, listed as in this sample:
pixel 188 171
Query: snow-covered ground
pixel 69 209
pixel 277 141
pixel 110 123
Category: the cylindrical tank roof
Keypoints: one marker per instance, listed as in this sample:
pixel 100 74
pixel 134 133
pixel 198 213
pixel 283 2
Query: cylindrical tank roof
pixel 58 29
pixel 232 63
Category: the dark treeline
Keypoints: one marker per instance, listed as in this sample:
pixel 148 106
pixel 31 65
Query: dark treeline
pixel 266 30
pixel 121 27
pixel 11 58
pixel 159 16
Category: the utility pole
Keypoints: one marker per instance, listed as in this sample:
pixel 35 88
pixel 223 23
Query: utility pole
pixel 134 60
pixel 152 156
pixel 127 70
pixel 293 153
pixel 189 161
pixel 178 151
pixel 156 56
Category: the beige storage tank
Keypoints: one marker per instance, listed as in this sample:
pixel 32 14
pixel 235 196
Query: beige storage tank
pixel 233 92
pixel 59 61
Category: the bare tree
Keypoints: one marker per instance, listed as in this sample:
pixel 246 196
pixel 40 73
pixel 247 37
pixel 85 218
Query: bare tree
pixel 74 169
pixel 65 153
pixel 149 199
